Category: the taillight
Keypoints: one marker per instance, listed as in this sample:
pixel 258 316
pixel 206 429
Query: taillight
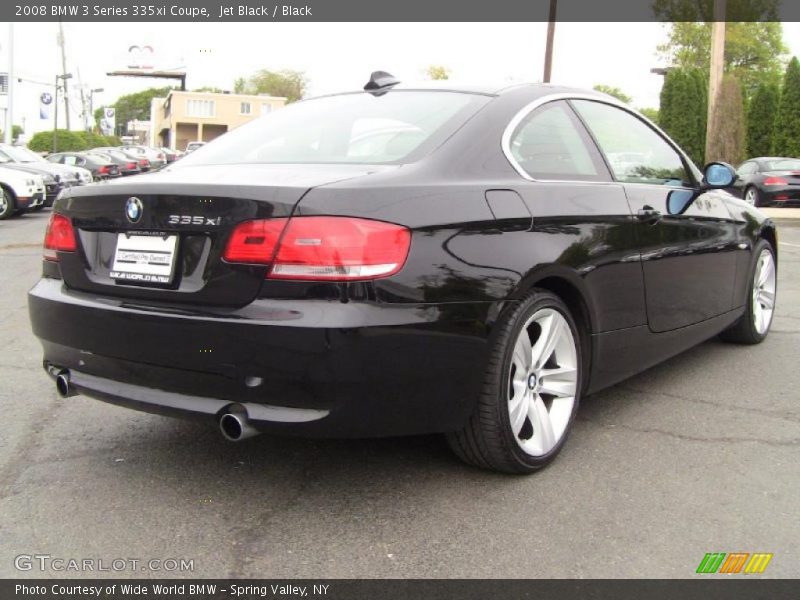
pixel 103 169
pixel 254 242
pixel 321 248
pixel 144 162
pixel 775 181
pixel 60 237
pixel 130 166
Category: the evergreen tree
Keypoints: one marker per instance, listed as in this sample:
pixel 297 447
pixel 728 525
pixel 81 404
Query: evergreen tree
pixel 761 120
pixel 683 110
pixel 787 120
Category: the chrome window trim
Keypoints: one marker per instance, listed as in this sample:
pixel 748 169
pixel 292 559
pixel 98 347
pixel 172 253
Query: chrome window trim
pixel 505 141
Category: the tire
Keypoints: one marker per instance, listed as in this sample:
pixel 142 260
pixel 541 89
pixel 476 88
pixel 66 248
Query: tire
pixel 752 196
pixel 524 414
pixel 753 326
pixel 8 204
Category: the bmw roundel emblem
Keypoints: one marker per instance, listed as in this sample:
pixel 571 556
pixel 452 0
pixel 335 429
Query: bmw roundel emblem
pixel 134 209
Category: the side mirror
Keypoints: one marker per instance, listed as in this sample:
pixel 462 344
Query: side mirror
pixel 718 175
pixel 679 200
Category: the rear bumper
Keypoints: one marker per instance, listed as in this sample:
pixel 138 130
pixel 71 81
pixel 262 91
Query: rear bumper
pixel 316 368
pixel 780 196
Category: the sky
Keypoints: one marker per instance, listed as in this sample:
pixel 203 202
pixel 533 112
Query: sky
pixel 334 56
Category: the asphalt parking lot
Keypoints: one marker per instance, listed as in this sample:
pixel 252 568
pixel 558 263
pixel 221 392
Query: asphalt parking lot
pixel 700 454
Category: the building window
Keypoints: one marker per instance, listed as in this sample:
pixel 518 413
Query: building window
pixel 200 108
pixel 266 109
pixel 244 108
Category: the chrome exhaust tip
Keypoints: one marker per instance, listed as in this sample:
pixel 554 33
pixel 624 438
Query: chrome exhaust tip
pixel 63 386
pixel 236 427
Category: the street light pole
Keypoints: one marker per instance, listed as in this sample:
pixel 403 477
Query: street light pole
pixel 551 33
pixel 64 77
pixel 9 128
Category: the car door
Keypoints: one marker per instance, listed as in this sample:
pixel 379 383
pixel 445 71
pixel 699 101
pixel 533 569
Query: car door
pixel 581 219
pixel 689 257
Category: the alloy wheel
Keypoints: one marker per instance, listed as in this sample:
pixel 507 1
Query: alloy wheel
pixel 764 291
pixel 3 202
pixel 542 382
pixel 750 196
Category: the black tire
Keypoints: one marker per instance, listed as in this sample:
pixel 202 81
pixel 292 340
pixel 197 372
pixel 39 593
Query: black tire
pixel 744 330
pixel 756 193
pixel 8 203
pixel 487 440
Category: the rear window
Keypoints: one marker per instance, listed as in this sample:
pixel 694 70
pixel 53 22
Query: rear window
pixel 783 164
pixel 350 128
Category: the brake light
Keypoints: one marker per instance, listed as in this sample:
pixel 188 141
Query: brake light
pixel 103 169
pixel 321 248
pixel 60 237
pixel 130 166
pixel 144 163
pixel 775 181
pixel 254 242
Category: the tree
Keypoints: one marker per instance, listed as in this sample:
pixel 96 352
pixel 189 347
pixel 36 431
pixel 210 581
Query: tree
pixel 728 129
pixel 650 113
pixel 613 91
pixel 754 51
pixel 787 120
pixel 287 84
pixel 437 72
pixel 761 120
pixel 133 106
pixel 683 111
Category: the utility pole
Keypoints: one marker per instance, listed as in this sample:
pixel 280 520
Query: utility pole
pixel 9 128
pixel 551 33
pixel 716 69
pixel 63 70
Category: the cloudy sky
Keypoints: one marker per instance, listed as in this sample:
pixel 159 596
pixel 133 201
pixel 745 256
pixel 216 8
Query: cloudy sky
pixel 335 56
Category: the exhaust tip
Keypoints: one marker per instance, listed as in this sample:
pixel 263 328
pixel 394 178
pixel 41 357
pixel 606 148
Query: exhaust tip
pixel 231 427
pixel 63 386
pixel 236 427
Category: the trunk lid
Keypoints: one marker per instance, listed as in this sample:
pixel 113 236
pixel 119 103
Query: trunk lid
pixel 194 209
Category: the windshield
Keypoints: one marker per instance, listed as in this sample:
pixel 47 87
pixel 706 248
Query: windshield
pixel 20 154
pixel 783 164
pixel 349 128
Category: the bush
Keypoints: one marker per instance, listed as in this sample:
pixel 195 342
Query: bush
pixel 71 141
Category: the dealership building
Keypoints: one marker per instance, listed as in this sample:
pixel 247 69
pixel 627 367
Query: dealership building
pixel 184 117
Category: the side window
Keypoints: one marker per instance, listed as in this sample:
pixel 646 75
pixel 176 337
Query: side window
pixel 69 160
pixel 550 143
pixel 635 152
pixel 747 168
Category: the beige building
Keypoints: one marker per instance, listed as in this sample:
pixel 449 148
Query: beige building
pixel 184 117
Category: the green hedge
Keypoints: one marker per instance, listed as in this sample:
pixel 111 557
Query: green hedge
pixel 71 140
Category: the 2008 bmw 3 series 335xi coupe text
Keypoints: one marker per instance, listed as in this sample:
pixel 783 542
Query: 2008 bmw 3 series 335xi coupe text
pixel 400 261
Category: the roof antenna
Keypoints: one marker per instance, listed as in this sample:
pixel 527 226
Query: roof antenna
pixel 380 82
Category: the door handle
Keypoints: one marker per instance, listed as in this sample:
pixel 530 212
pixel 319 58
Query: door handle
pixel 648 214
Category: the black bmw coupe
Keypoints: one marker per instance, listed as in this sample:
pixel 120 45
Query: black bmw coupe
pixel 769 181
pixel 403 260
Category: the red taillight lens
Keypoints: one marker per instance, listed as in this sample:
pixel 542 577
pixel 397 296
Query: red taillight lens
pixel 144 163
pixel 60 237
pixel 775 181
pixel 322 248
pixel 103 169
pixel 130 166
pixel 254 241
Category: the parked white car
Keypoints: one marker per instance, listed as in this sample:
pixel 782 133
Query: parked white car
pixel 19 191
